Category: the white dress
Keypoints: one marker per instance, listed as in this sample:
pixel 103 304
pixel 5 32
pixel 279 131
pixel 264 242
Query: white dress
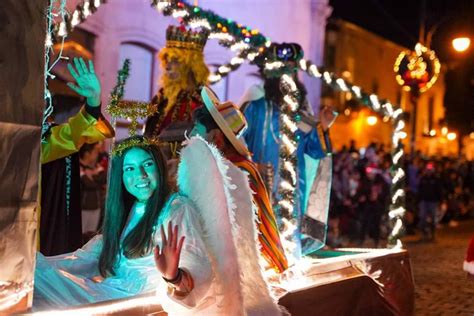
pixel 220 249
pixel 67 280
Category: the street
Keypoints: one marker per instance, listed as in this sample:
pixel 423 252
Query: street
pixel 442 287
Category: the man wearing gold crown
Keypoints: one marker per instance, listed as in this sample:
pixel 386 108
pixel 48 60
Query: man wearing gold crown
pixel 184 73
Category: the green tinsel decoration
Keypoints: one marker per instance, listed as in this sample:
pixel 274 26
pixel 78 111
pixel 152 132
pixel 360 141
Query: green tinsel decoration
pixel 117 92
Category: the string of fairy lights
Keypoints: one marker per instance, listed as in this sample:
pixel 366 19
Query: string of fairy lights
pixel 70 20
pixel 55 10
pixel 248 43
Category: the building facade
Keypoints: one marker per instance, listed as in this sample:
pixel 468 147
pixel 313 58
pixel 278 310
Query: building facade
pixel 133 29
pixel 367 60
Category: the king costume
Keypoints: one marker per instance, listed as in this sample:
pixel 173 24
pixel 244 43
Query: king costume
pixel 261 108
pixel 179 97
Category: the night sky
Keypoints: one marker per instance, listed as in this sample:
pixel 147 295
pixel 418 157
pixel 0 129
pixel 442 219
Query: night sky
pixel 399 21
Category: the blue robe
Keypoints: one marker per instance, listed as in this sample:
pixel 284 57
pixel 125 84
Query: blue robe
pixel 262 138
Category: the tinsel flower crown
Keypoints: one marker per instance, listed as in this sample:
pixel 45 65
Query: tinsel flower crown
pixel 120 148
pixel 179 37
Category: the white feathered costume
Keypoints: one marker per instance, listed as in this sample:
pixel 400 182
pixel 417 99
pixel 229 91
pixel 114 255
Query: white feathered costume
pixel 220 249
pixel 221 194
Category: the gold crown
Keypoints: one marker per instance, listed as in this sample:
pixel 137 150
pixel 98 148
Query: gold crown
pixel 179 37
pixel 120 148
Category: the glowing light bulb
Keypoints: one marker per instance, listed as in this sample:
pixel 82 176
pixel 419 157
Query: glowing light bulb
pixel 461 44
pixel 372 120
pixel 451 136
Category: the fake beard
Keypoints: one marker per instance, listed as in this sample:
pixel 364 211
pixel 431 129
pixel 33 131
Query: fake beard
pixel 273 92
pixel 172 88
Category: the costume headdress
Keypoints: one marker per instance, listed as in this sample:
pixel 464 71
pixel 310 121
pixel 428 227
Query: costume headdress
pixel 287 55
pixel 129 110
pixel 179 37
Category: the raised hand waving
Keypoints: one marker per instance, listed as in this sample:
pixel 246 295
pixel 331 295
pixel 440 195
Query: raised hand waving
pixel 87 83
pixel 167 257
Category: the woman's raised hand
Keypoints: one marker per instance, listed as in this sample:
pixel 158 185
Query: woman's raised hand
pixel 87 83
pixel 167 257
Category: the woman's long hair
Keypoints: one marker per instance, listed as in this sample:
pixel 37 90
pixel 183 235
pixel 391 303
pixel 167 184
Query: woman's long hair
pixel 119 202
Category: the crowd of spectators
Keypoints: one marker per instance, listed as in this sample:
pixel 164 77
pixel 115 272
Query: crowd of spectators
pixel 438 193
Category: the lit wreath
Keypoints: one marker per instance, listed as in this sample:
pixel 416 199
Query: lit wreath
pixel 417 70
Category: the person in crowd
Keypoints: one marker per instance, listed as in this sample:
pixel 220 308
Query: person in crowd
pixel 93 182
pixel 430 193
pixel 373 197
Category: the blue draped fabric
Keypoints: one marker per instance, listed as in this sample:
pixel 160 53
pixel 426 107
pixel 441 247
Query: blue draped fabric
pixel 262 138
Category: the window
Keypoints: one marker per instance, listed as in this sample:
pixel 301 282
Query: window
pixel 139 83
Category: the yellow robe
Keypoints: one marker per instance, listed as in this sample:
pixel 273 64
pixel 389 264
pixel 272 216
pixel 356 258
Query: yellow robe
pixel 66 139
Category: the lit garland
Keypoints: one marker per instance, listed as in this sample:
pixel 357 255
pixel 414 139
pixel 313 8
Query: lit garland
pixel 245 41
pixel 288 161
pixel 385 108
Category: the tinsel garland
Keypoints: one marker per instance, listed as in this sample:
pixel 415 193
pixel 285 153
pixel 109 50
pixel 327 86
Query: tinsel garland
pixel 117 93
pixel 133 142
pixel 128 109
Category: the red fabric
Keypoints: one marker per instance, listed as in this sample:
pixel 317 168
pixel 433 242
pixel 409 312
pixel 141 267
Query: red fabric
pixel 181 112
pixel 470 251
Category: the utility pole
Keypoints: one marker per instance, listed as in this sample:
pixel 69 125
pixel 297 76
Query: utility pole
pixel 414 95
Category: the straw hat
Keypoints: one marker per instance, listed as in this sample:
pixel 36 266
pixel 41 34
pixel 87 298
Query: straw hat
pixel 229 119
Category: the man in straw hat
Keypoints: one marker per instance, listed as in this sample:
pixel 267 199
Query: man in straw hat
pixel 222 124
